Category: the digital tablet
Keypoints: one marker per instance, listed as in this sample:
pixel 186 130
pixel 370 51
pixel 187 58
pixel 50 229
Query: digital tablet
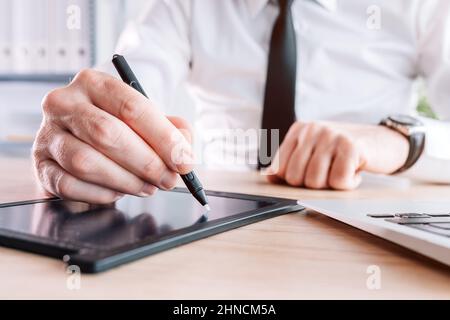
pixel 96 238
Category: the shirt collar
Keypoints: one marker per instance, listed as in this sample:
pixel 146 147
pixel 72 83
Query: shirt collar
pixel 255 6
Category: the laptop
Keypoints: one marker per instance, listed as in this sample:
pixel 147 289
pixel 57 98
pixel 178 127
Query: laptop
pixel 422 226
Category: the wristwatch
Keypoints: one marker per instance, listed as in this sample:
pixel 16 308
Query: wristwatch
pixel 414 130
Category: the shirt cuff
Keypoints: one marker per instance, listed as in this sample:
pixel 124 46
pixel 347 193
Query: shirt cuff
pixel 434 163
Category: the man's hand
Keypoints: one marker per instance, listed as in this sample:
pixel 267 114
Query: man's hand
pixel 331 155
pixel 100 139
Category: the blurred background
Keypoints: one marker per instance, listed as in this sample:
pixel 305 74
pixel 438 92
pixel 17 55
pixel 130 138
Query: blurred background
pixel 43 43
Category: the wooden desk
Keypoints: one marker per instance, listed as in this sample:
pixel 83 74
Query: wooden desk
pixel 293 256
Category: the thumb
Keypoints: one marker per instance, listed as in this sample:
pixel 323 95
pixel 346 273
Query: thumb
pixel 184 127
pixel 182 153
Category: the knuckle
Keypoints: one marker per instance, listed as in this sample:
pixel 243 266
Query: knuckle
pixel 63 186
pixel 296 127
pixel 312 182
pixel 39 150
pixel 109 84
pixel 327 133
pixel 311 129
pixel 318 126
pixel 293 180
pixel 36 150
pixel 153 169
pixel 81 162
pixel 36 155
pixel 52 100
pixel 58 147
pixel 344 141
pixel 309 126
pixel 39 169
pixel 42 172
pixel 106 133
pixel 130 110
pixel 103 83
pixel 45 138
pixel 85 76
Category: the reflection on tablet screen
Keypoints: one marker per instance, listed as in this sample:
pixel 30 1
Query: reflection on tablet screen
pixel 128 220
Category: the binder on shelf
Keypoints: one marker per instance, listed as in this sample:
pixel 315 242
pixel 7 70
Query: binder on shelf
pixel 5 36
pixel 46 39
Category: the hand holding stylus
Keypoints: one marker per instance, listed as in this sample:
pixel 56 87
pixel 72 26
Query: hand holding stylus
pixel 190 179
pixel 95 143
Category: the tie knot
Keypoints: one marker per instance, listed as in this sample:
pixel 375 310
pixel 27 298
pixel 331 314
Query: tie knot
pixel 285 4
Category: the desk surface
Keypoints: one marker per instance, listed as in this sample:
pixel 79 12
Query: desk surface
pixel 289 257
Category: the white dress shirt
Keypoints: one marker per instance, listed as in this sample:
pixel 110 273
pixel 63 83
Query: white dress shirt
pixel 358 61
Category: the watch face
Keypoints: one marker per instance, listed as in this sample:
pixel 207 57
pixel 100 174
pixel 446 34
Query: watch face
pixel 405 120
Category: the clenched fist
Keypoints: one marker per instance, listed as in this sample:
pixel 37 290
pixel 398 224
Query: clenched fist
pixel 100 139
pixel 332 155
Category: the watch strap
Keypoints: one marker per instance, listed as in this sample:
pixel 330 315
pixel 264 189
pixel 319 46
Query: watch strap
pixel 416 147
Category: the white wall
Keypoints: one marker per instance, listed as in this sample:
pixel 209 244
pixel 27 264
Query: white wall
pixel 112 16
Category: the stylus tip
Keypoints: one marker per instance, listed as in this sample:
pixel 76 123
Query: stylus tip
pixel 207 207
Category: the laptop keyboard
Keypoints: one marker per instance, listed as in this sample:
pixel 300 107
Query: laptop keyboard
pixel 436 223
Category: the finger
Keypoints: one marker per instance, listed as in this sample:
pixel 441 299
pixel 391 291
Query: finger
pixel 59 182
pixel 274 179
pixel 280 161
pixel 179 152
pixel 89 165
pixel 184 127
pixel 344 172
pixel 113 138
pixel 317 171
pixel 318 168
pixel 298 162
pixel 295 170
pixel 138 112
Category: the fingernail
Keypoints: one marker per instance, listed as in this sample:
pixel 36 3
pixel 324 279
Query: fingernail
pixel 168 180
pixel 189 155
pixel 185 156
pixel 148 190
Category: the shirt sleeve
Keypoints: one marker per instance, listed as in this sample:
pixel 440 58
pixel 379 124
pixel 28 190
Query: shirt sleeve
pixel 434 65
pixel 157 47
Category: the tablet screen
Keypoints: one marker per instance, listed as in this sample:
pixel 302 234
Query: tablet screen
pixel 129 220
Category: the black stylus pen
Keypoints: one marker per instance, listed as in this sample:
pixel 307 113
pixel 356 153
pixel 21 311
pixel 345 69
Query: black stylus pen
pixel 190 180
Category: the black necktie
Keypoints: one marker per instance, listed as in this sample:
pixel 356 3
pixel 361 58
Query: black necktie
pixel 279 100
